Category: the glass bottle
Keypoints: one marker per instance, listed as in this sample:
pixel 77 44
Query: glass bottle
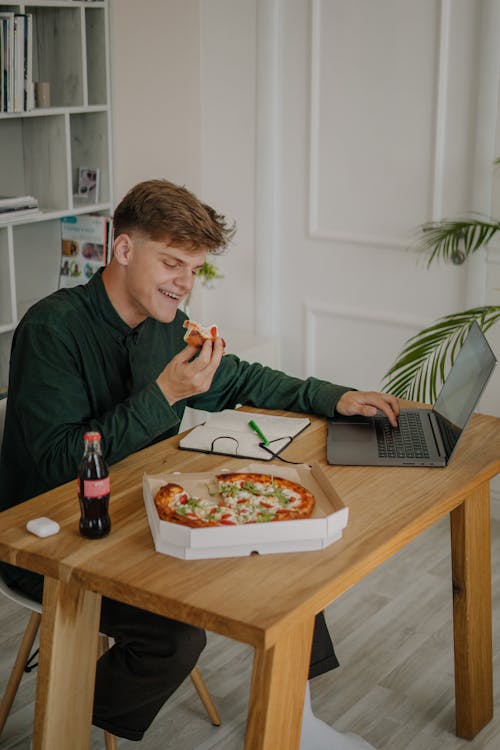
pixel 94 489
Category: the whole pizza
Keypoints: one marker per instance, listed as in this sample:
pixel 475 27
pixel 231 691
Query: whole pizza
pixel 235 499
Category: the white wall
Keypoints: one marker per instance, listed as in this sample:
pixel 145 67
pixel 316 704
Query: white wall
pixel 155 91
pixel 183 97
pixel 228 96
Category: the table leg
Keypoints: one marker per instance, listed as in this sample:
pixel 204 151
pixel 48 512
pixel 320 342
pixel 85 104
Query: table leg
pixel 67 665
pixel 278 689
pixel 471 571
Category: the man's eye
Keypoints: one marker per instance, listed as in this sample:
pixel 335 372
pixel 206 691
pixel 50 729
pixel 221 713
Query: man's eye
pixel 169 265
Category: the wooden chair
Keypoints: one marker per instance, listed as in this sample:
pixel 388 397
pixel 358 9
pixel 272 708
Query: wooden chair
pixel 26 646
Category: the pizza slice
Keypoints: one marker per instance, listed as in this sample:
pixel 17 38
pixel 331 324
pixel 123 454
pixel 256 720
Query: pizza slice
pixel 266 497
pixel 174 504
pixel 196 334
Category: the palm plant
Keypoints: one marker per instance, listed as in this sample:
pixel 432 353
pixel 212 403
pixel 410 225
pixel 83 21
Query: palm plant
pixel 422 365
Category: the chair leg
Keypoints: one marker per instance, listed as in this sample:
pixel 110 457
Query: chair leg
pixel 205 697
pixel 109 739
pixel 18 668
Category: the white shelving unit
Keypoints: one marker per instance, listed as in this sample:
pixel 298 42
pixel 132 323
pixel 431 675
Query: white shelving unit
pixel 42 149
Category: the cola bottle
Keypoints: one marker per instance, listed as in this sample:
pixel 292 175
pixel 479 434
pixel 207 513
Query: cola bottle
pixel 94 489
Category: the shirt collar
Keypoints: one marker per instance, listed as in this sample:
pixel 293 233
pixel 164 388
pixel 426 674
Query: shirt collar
pixel 99 298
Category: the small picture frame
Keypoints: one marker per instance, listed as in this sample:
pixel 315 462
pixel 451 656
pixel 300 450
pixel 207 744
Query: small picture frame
pixel 88 184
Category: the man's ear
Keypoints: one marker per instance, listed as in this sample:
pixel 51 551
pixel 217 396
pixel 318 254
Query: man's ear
pixel 122 249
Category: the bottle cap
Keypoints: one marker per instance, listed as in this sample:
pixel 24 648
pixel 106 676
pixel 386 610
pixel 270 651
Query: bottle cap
pixel 92 436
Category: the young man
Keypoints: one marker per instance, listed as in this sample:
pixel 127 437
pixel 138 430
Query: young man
pixel 110 356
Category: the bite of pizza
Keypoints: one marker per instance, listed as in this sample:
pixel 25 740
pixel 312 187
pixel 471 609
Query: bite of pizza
pixel 196 334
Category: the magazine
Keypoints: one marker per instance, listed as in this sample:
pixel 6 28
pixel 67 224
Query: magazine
pixel 84 241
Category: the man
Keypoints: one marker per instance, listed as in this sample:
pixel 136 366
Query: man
pixel 110 356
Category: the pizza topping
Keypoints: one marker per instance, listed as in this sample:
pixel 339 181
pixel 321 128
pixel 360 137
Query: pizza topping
pixel 241 498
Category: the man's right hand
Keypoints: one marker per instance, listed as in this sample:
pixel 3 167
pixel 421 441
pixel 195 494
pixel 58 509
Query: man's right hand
pixel 367 403
pixel 184 376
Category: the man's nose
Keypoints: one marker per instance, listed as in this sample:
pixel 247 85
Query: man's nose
pixel 185 278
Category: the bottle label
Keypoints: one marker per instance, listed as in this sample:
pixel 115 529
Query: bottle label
pixel 96 487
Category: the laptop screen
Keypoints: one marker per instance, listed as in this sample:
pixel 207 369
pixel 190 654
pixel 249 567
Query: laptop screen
pixel 466 380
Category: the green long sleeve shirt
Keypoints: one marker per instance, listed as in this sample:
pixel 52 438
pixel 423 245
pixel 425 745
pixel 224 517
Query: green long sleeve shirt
pixel 77 366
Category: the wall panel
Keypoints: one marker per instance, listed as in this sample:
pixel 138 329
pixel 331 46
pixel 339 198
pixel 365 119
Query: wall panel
pixel 373 119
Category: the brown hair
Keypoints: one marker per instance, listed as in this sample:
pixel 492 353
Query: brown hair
pixel 160 209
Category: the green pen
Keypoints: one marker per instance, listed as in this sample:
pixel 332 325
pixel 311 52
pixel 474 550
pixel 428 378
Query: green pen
pixel 255 427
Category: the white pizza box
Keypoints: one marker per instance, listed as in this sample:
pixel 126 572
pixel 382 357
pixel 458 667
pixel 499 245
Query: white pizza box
pixel 325 526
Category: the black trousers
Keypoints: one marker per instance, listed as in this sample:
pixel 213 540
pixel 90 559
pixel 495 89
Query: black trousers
pixel 151 657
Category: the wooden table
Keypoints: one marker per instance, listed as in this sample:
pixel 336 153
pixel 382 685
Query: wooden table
pixel 267 601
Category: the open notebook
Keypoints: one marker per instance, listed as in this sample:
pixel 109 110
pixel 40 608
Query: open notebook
pixel 228 433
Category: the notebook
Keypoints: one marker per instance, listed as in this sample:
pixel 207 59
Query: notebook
pixel 424 437
pixel 228 433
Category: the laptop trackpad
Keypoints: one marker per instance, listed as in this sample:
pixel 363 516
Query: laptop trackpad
pixel 352 443
pixel 361 432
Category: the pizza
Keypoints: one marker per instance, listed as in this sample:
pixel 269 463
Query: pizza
pixel 196 334
pixel 234 499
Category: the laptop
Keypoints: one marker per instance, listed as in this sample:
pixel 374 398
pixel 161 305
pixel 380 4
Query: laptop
pixel 424 437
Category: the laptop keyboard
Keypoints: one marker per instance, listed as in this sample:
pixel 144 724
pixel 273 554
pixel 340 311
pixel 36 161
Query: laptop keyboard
pixel 405 441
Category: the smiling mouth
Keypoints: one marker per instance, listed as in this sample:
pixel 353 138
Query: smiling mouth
pixel 170 295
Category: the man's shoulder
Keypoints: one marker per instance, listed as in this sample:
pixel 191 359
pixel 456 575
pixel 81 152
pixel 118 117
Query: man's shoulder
pixel 57 310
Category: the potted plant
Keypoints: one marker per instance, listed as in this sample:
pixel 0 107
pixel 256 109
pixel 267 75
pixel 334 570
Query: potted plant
pixel 208 274
pixel 421 366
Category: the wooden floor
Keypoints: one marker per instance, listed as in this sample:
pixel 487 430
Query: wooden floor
pixel 393 635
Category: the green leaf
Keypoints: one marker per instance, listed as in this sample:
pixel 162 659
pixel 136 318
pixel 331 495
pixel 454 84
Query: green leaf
pixel 421 367
pixel 456 239
pixel 208 273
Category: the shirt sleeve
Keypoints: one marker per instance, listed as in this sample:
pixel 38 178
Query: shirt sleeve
pixel 51 374
pixel 239 382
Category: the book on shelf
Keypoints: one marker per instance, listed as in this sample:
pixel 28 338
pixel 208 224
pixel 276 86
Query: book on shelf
pixel 84 247
pixel 12 202
pixel 18 207
pixel 2 44
pixel 16 62
pixel 22 213
pixel 7 25
pixel 29 88
pixel 19 25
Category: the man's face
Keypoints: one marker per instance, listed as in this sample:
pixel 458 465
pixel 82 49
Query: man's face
pixel 159 277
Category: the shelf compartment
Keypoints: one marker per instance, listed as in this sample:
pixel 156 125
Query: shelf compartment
pixel 33 157
pixel 95 35
pixel 57 53
pixel 37 273
pixel 90 148
pixel 7 304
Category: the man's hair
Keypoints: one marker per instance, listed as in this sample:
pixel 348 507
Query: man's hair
pixel 160 209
